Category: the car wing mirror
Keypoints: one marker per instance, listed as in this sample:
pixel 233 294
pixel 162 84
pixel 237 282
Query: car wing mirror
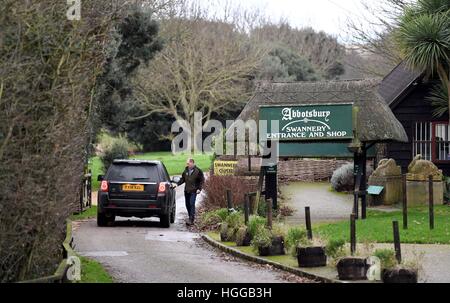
pixel 100 177
pixel 176 180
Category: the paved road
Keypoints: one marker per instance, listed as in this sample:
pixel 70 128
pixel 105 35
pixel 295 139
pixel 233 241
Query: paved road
pixel 139 251
pixel 326 206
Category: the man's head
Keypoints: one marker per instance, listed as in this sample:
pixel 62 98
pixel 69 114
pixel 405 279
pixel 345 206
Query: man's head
pixel 190 163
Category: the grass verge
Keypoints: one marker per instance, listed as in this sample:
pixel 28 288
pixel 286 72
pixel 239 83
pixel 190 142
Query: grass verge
pixel 87 214
pixel 378 227
pixel 287 260
pixel 93 272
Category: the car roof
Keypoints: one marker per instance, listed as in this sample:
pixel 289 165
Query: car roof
pixel 137 162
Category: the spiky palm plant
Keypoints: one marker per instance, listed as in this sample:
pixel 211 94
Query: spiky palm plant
pixel 439 97
pixel 423 37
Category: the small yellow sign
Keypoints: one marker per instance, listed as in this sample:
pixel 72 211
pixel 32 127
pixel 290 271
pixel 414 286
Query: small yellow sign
pixel 225 168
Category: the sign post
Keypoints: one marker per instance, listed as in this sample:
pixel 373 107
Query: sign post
pixel 308 131
pixel 225 168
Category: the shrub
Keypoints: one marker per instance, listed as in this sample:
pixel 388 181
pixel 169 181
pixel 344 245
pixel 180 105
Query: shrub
pixel 118 150
pixel 279 230
pixel 387 258
pixel 335 249
pixel 296 236
pixel 106 141
pixel 343 178
pixel 216 187
pixel 263 238
pixel 254 223
pixel 49 68
pixel 212 219
pixel 243 237
pixel 234 222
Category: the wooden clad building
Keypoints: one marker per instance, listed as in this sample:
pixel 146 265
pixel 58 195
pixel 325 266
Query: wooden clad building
pixel 406 93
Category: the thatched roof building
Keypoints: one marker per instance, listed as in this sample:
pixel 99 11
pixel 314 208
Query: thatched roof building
pixel 375 120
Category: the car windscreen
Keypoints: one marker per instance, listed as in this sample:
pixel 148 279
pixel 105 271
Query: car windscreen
pixel 133 173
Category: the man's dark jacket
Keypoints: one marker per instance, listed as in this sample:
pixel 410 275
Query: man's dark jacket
pixel 193 181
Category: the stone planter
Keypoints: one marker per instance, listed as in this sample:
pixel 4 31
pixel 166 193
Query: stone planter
pixel 309 257
pixel 392 193
pixel 352 269
pixel 400 276
pixel 277 248
pixel 418 194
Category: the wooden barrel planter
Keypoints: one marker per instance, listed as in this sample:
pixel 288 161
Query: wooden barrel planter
pixel 245 240
pixel 276 249
pixel 352 269
pixel 309 257
pixel 400 276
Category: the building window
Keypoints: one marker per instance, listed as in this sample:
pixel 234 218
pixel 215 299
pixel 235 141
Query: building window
pixel 432 141
pixel 441 142
pixel 423 140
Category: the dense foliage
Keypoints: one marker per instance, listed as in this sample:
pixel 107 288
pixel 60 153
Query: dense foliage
pixel 48 68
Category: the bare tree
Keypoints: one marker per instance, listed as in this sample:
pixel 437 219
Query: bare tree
pixel 205 66
pixel 372 48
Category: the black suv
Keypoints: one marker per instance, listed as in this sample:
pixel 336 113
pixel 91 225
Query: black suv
pixel 134 188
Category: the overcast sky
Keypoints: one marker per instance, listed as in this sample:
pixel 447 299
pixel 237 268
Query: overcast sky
pixel 330 16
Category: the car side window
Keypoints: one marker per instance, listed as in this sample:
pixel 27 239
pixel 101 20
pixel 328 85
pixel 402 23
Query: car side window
pixel 166 173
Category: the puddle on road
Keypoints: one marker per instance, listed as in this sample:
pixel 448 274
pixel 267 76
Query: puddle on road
pixel 171 236
pixel 104 254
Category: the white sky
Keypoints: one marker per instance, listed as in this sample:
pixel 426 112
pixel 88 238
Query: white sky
pixel 330 16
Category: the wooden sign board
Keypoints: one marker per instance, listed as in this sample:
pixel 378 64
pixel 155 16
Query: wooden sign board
pixel 225 168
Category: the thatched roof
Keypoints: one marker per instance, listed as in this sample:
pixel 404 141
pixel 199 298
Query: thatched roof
pixel 375 121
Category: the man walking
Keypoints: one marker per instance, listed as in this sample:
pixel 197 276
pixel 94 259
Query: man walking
pixel 193 178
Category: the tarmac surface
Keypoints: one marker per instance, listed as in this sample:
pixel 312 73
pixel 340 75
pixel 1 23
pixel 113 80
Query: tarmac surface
pixel 139 251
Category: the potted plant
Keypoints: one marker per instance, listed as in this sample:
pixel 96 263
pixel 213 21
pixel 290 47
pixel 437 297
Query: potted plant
pixel 392 272
pixel 352 269
pixel 243 237
pixel 230 227
pixel 308 254
pixel 262 241
pixel 335 250
pixel 268 242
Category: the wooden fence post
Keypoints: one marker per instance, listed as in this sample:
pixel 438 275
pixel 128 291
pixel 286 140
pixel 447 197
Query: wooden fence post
pixel 431 201
pixel 397 244
pixel 405 203
pixel 269 213
pixel 308 222
pixel 247 208
pixel 353 234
